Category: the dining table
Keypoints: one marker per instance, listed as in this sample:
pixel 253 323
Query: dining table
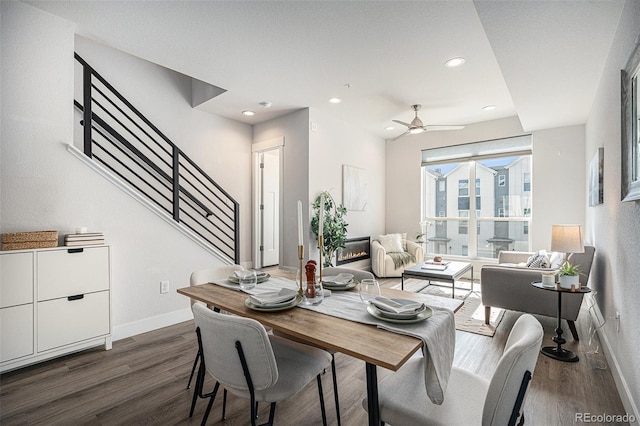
pixel 375 346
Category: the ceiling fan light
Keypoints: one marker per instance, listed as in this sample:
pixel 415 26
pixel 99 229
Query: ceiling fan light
pixel 416 130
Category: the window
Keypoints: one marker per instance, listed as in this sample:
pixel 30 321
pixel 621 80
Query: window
pixel 465 226
pixel 463 188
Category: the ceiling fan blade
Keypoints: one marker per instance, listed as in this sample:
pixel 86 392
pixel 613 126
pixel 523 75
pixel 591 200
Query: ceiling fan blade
pixel 399 136
pixel 442 127
pixel 402 122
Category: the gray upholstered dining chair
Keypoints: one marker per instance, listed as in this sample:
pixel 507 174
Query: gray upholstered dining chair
pixel 251 364
pixel 469 399
pixel 204 276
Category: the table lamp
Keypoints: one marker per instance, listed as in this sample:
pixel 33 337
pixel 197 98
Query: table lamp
pixel 567 239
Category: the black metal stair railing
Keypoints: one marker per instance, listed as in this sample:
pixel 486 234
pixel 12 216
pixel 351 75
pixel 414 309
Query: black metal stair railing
pixel 124 141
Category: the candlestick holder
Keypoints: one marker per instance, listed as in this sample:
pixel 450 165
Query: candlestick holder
pixel 300 257
pixel 320 244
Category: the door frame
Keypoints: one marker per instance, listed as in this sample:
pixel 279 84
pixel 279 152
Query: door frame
pixel 257 149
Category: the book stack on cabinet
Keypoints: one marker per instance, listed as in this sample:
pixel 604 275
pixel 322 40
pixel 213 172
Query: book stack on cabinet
pixel 85 239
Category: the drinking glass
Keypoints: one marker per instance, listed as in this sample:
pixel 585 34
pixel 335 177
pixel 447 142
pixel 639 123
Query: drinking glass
pixel 248 279
pixel 369 289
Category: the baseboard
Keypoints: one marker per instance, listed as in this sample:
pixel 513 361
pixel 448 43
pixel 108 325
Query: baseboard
pixel 149 324
pixel 621 384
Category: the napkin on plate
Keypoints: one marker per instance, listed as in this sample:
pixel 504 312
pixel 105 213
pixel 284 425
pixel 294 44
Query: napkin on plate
pixel 342 279
pixel 274 297
pixel 386 304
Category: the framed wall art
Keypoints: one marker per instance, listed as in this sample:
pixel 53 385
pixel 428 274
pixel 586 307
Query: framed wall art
pixel 354 188
pixel 631 127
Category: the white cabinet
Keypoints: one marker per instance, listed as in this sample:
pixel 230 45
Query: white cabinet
pixel 52 302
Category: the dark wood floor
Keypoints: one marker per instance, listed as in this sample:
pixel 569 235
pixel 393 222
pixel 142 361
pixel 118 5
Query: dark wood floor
pixel 142 380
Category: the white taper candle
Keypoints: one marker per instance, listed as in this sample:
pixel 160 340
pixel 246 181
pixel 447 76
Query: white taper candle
pixel 300 223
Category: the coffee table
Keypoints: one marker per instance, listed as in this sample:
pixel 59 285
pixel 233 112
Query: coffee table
pixel 451 272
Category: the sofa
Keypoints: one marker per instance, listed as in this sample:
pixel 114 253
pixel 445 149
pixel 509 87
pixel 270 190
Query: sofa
pixel 382 262
pixel 507 285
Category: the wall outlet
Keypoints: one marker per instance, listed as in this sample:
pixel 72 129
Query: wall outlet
pixel 164 287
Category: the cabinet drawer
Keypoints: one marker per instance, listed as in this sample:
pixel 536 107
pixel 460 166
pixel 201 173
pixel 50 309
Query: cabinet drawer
pixel 16 326
pixel 62 274
pixel 63 321
pixel 16 279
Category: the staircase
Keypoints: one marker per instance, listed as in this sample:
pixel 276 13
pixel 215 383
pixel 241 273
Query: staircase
pixel 125 143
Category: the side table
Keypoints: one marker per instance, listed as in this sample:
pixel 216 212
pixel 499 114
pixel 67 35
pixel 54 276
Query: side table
pixel 557 352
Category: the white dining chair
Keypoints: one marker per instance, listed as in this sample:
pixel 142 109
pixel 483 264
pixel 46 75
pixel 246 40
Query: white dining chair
pixel 204 276
pixel 252 364
pixel 469 399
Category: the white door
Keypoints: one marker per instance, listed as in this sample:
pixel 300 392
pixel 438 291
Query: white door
pixel 269 207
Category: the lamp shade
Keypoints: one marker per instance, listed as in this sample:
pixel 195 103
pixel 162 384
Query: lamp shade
pixel 567 238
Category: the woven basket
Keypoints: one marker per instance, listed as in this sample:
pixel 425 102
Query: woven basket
pixel 29 240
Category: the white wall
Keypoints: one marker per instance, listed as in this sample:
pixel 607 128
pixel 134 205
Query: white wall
pixel 614 226
pixel 556 161
pixel 294 128
pixel 44 187
pixel 334 144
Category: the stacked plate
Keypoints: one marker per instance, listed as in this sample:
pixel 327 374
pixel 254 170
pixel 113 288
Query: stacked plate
pixel 398 310
pixel 342 281
pixel 261 277
pixel 274 301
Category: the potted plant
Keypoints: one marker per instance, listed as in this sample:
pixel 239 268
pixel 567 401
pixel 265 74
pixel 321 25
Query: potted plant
pixel 334 227
pixel 568 274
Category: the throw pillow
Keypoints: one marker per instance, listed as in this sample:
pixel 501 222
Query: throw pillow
pixel 556 259
pixel 539 260
pixel 391 243
pixel 404 241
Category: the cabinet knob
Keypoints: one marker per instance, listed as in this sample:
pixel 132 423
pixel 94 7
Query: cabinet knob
pixel 75 297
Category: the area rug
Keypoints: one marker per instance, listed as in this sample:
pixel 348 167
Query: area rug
pixel 470 317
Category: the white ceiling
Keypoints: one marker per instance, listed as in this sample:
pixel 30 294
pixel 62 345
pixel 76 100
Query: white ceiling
pixel 539 60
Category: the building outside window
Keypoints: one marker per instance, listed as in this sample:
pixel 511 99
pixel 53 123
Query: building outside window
pixel 498 217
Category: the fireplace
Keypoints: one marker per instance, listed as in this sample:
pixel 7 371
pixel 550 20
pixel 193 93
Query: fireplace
pixel 355 249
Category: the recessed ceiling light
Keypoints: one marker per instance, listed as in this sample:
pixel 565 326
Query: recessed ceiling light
pixel 249 113
pixel 489 107
pixel 266 104
pixel 389 128
pixel 335 100
pixel 454 62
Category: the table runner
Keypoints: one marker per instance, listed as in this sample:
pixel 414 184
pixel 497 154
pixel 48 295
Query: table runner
pixel 437 333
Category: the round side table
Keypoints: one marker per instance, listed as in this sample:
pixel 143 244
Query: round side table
pixel 557 352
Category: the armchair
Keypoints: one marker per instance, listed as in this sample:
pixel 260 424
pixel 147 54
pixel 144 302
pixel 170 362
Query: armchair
pixel 382 263
pixel 508 285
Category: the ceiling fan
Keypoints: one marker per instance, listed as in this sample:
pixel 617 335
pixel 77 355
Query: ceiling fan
pixel 416 126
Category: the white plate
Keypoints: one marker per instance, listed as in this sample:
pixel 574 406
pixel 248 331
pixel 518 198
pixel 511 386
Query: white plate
pixel 339 287
pixel 404 315
pixel 420 317
pixel 271 308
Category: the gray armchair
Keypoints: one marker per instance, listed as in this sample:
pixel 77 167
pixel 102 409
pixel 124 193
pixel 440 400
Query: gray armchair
pixel 508 286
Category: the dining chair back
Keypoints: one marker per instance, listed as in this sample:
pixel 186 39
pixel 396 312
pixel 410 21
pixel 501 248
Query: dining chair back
pixel 514 371
pixel 469 398
pixel 241 356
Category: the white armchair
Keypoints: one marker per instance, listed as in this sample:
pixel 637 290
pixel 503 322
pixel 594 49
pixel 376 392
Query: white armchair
pixel 382 262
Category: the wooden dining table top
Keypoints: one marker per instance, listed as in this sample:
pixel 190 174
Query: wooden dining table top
pixel 362 341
